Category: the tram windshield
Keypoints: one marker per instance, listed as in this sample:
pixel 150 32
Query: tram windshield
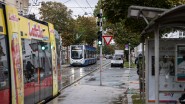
pixel 76 52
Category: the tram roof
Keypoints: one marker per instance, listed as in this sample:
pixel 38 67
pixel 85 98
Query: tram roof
pixel 32 17
pixel 87 47
pixel 90 47
pixel 172 18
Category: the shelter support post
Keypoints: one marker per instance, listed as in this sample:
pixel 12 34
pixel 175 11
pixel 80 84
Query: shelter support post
pixel 156 33
pixel 146 71
pixel 143 72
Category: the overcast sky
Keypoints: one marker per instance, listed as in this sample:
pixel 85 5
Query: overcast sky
pixel 79 7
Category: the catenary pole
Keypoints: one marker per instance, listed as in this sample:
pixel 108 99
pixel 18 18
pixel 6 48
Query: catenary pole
pixel 129 65
pixel 101 57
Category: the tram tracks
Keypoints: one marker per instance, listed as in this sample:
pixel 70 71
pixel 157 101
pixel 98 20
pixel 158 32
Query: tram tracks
pixel 86 74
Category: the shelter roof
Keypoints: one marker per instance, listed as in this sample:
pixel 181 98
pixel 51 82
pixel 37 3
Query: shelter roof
pixel 172 18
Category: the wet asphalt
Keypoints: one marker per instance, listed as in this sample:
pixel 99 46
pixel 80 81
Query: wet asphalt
pixel 115 84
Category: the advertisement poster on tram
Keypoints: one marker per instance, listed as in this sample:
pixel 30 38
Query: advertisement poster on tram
pixel 169 88
pixel 15 48
pixel 15 55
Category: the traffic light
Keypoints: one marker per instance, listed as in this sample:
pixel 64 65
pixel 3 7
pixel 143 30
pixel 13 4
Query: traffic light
pixel 99 37
pixel 99 15
pixel 99 23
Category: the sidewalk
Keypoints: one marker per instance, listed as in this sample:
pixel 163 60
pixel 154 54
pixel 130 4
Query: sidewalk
pixel 115 82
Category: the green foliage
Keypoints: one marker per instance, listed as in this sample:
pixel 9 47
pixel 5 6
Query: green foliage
pixel 132 65
pixel 59 15
pixel 127 30
pixel 117 10
pixel 136 99
pixel 86 28
pixel 81 30
pixel 108 49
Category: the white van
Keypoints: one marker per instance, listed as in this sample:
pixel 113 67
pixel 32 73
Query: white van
pixel 117 60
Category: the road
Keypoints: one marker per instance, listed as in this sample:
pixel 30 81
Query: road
pixel 115 82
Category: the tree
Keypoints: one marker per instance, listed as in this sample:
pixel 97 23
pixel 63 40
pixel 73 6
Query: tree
pixel 117 10
pixel 127 30
pixel 108 49
pixel 59 15
pixel 86 29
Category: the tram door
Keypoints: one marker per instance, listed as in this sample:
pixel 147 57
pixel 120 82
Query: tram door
pixel 4 62
pixel 37 71
pixel 4 72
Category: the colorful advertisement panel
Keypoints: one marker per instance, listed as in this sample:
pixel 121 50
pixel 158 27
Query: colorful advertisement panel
pixel 33 30
pixel 15 56
pixel 54 59
pixel 169 89
pixel 180 63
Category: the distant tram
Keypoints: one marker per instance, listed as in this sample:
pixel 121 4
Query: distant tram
pixel 82 55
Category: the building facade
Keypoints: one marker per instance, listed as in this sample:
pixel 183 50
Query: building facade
pixel 21 5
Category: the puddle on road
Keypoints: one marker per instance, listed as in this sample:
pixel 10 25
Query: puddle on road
pixel 61 97
pixel 121 86
pixel 66 82
pixel 117 100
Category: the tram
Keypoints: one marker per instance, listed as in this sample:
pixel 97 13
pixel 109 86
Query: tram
pixel 28 59
pixel 82 55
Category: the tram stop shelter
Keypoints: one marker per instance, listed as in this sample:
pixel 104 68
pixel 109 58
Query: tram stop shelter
pixel 164 57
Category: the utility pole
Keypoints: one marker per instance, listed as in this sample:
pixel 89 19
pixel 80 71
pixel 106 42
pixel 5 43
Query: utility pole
pixel 99 23
pixel 129 64
pixel 101 57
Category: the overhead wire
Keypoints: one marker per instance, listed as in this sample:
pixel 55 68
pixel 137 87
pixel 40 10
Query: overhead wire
pixel 89 5
pixel 79 5
pixel 33 1
pixel 66 1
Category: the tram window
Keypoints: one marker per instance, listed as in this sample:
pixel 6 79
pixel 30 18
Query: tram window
pixel 28 69
pixel 23 47
pixel 4 74
pixel 36 60
pixel 90 54
pixel 45 64
pixel 76 54
pixel 85 53
pixel 93 54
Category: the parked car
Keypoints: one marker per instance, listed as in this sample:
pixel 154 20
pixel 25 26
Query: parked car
pixel 117 61
pixel 108 56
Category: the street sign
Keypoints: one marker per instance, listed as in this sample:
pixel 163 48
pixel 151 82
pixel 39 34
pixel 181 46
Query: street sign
pixel 126 47
pixel 107 39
